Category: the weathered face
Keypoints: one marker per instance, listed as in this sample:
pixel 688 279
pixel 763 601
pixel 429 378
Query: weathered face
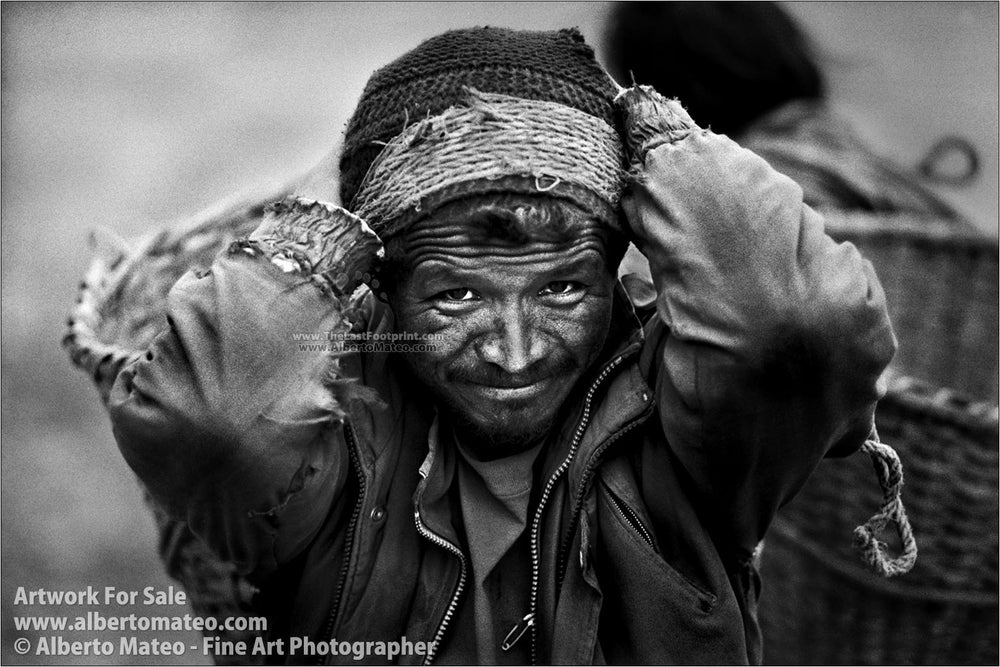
pixel 517 323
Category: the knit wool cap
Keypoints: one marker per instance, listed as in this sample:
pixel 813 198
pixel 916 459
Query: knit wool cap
pixel 493 66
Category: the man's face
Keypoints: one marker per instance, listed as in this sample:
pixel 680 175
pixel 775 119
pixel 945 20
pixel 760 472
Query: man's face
pixel 515 325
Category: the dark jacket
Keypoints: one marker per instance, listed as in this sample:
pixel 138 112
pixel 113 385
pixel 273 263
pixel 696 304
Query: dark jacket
pixel 759 357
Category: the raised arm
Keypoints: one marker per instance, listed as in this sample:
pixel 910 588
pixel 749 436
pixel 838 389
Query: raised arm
pixel 231 422
pixel 770 337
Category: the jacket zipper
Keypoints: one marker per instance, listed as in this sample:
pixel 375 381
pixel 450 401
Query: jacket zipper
pixel 529 620
pixel 632 519
pixel 351 526
pixel 578 505
pixel 448 546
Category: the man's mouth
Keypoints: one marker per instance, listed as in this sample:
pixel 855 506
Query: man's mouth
pixel 510 390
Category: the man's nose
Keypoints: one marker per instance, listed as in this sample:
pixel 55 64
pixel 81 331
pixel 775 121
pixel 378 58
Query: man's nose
pixel 515 345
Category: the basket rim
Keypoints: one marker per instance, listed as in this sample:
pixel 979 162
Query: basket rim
pixel 856 573
pixel 941 403
pixel 907 228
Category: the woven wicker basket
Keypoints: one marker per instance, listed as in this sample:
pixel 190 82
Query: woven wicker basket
pixel 820 605
pixel 122 307
pixel 941 285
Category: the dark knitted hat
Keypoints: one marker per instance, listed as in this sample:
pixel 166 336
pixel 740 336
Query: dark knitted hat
pixel 552 66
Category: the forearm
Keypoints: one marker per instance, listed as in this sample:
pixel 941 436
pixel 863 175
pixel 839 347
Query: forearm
pixel 231 423
pixel 738 260
pixel 772 336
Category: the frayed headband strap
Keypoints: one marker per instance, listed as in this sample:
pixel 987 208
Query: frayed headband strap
pixel 492 137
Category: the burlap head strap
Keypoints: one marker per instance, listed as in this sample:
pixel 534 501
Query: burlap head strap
pixel 551 147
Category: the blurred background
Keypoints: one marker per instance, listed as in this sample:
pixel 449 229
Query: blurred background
pixel 132 116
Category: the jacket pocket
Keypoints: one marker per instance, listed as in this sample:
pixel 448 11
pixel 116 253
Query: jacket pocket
pixel 651 612
pixel 632 528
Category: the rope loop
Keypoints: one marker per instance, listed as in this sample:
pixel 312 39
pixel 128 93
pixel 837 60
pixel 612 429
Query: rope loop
pixel 889 471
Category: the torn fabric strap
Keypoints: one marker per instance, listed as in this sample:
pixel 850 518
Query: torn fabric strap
pixel 494 136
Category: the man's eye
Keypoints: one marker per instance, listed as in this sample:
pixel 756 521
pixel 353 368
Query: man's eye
pixel 458 294
pixel 560 287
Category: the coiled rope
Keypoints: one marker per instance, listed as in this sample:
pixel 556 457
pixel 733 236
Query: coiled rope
pixel 889 471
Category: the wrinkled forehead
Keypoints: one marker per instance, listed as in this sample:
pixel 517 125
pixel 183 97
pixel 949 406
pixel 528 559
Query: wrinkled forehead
pixel 503 226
